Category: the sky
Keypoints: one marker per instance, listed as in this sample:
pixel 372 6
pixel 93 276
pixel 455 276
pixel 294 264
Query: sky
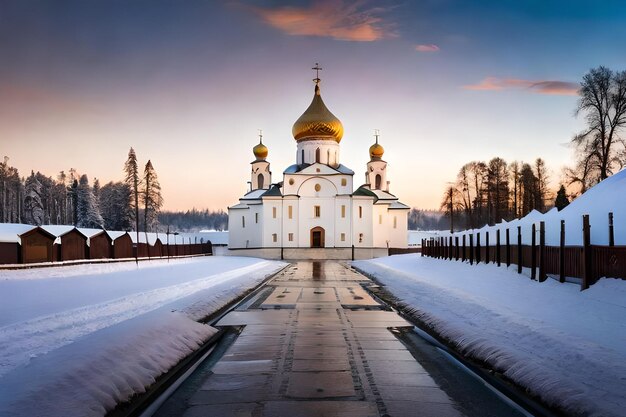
pixel 188 84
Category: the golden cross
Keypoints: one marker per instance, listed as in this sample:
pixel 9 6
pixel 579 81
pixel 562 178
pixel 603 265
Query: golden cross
pixel 260 135
pixel 376 134
pixel 317 69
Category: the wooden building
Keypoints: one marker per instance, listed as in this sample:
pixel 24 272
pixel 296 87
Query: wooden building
pixel 100 246
pixel 37 246
pixel 122 245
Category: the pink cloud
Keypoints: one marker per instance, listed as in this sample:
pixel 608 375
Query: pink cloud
pixel 347 21
pixel 540 86
pixel 427 48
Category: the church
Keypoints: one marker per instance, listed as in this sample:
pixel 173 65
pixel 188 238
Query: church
pixel 314 212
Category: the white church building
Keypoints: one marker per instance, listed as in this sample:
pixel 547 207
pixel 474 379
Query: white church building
pixel 314 212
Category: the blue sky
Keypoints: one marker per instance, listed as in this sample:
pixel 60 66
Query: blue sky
pixel 189 83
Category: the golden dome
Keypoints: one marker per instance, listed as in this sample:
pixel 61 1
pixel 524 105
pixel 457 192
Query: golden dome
pixel 260 151
pixel 317 122
pixel 376 151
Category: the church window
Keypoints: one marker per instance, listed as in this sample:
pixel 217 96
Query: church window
pixel 243 221
pixel 302 161
pixel 380 219
pixel 261 181
pixel 395 222
pixel 360 212
pixel 317 155
pixel 344 182
pixel 291 181
pixel 256 217
pixel 318 187
pixel 328 157
pixel 274 237
pixel 291 237
pixel 274 212
pixel 343 211
pixel 290 211
pixel 343 237
pixel 378 181
pixel 316 211
pixel 360 237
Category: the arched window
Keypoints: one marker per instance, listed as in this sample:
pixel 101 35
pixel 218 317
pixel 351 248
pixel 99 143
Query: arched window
pixel 317 155
pixel 302 160
pixel 328 157
pixel 261 181
pixel 378 181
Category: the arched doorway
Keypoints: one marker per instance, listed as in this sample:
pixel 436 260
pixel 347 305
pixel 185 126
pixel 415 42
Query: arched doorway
pixel 378 182
pixel 261 181
pixel 317 237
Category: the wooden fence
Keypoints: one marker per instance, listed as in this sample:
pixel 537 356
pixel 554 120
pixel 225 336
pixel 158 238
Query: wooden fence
pixel 587 262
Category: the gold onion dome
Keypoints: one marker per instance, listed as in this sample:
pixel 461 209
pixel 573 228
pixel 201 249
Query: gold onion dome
pixel 260 150
pixel 376 150
pixel 317 122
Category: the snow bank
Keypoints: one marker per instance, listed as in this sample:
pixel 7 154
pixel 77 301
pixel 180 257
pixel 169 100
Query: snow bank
pixel 565 346
pixel 79 339
pixel 607 196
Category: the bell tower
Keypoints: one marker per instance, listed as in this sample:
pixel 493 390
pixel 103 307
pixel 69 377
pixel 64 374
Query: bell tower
pixel 261 176
pixel 376 175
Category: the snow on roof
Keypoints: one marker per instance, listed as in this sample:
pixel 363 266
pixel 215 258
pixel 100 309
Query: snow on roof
pixel 115 234
pixel 57 229
pixel 239 206
pixel 396 205
pixel 90 232
pixel 254 194
pixel 312 169
pixel 9 232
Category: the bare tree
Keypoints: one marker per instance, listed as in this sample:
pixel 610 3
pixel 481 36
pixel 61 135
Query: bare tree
pixel 600 149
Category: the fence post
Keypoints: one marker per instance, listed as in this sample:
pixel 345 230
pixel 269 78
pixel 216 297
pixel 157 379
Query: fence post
pixel 463 250
pixel 519 249
pixel 587 273
pixel 478 248
pixel 562 253
pixel 487 247
pixel 533 253
pixel 611 232
pixel 471 254
pixel 508 248
pixel 542 252
pixel 456 251
pixel 498 247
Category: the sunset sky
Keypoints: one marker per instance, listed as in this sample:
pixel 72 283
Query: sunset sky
pixel 188 83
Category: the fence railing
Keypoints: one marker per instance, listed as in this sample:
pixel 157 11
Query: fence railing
pixel 587 262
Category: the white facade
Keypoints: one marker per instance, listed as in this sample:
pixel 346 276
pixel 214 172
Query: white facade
pixel 315 205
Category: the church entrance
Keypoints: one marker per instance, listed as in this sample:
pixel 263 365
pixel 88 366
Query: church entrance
pixel 317 237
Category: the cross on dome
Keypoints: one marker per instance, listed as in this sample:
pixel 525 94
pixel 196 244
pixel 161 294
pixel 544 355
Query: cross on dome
pixel 317 69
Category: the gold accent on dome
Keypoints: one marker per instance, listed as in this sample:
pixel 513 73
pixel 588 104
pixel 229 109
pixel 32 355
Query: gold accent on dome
pixel 260 151
pixel 376 150
pixel 317 122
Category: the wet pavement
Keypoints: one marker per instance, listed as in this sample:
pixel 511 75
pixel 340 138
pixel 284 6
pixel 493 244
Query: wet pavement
pixel 317 344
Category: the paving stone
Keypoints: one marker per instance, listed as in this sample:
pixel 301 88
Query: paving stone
pixel 244 367
pixel 247 395
pixel 382 344
pixel 231 410
pixel 320 409
pixel 300 365
pixel 239 318
pixel 320 385
pixel 419 394
pixel 421 409
pixel 234 382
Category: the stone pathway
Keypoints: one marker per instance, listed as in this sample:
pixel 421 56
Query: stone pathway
pixel 318 345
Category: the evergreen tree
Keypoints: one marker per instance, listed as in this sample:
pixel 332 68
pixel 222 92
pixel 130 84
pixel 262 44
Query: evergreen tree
pixel 561 200
pixel 131 169
pixel 33 206
pixel 88 211
pixel 151 197
pixel 115 206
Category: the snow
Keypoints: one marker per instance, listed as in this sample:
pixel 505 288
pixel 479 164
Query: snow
pixel 565 346
pixel 607 196
pixel 75 340
pixel 416 236
pixel 9 232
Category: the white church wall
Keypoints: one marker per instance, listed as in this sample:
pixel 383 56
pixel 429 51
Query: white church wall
pixel 328 152
pixel 272 218
pixel 380 225
pixel 343 221
pixel 398 235
pixel 362 221
pixel 290 221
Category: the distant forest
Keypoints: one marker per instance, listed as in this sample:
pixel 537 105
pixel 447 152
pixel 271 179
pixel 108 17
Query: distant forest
pixel 194 220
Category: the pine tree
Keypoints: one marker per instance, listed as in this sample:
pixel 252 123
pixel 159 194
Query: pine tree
pixel 33 206
pixel 561 200
pixel 131 169
pixel 115 206
pixel 87 206
pixel 151 197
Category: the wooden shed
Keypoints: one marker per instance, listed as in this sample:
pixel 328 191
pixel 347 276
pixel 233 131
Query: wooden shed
pixel 37 246
pixel 156 249
pixel 122 246
pixel 73 246
pixel 100 246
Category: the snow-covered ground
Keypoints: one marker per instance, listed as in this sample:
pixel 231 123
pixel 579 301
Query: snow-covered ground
pixel 566 346
pixel 75 340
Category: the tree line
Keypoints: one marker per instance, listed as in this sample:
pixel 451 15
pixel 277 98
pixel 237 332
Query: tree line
pixel 71 199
